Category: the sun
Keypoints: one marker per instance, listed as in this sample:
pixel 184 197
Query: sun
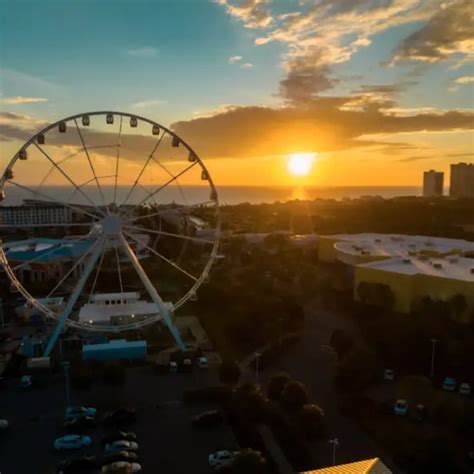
pixel 299 164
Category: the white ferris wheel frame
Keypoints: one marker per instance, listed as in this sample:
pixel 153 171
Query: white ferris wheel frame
pixel 116 227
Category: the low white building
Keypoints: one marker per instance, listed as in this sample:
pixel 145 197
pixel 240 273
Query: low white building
pixel 117 309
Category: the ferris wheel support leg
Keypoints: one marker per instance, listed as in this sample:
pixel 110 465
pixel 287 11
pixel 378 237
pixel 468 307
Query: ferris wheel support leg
pixel 153 293
pixel 73 299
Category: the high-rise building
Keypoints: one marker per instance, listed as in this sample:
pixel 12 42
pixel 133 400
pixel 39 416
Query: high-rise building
pixel 462 180
pixel 433 183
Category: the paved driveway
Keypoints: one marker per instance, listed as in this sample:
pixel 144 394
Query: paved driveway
pixel 314 363
pixel 168 443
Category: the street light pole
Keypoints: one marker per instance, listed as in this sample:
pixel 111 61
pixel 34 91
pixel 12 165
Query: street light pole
pixel 433 346
pixel 66 366
pixel 335 444
pixel 257 357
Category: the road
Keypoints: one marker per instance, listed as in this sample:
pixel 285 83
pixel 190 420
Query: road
pixel 313 362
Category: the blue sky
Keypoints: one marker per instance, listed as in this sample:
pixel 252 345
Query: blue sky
pixel 207 65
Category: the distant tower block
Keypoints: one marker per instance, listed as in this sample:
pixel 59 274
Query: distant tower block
pixel 433 183
pixel 462 180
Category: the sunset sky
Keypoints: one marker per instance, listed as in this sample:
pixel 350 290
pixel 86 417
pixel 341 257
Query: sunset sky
pixel 378 91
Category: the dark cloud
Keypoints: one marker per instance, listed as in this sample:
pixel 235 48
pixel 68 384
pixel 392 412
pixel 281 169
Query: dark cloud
pixel 321 124
pixel 409 159
pixel 449 31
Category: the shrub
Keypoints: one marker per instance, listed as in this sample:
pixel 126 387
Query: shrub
pixel 294 395
pixel 276 385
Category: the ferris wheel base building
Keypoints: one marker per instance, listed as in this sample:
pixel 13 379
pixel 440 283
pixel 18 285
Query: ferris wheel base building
pixel 409 268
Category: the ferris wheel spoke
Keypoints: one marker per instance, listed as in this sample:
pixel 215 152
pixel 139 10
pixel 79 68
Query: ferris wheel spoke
pixel 159 255
pixel 29 226
pixel 119 144
pixel 74 267
pixel 104 244
pixel 86 151
pixel 43 254
pixel 171 210
pixel 170 234
pixel 174 178
pixel 68 178
pixel 85 183
pixel 169 173
pixel 49 198
pixel 119 271
pixel 157 144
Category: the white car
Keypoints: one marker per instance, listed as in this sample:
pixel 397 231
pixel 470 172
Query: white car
pixel 389 374
pixel 79 412
pixel 121 445
pixel 132 466
pixel 173 366
pixel 221 459
pixel 202 363
pixel 465 389
pixel 72 442
pixel 3 424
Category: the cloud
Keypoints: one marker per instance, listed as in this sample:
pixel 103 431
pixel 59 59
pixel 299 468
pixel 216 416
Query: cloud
pixel 327 33
pixel 410 159
pixel 448 32
pixel 23 100
pixel 322 124
pixel 234 59
pixel 246 66
pixel 146 52
pixel 463 80
pixel 148 103
pixel 250 12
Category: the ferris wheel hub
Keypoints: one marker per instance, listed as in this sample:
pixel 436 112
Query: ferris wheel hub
pixel 112 225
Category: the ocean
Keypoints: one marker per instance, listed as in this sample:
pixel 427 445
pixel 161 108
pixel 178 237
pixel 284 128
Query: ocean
pixel 227 194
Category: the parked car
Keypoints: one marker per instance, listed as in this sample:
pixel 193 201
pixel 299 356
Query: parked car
pixel 72 442
pixel 202 362
pixel 122 416
pixel 133 467
pixel 208 418
pixel 186 365
pixel 221 459
pixel 4 424
pixel 79 412
pixel 465 389
pixel 449 384
pixel 127 456
pixel 401 407
pixel 26 381
pixel 173 366
pixel 389 374
pixel 118 435
pixel 80 423
pixel 76 464
pixel 121 445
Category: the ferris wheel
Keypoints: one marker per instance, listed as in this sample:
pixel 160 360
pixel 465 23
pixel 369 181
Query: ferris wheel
pixel 121 206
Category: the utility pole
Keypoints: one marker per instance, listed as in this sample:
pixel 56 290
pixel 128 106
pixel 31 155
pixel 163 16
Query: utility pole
pixel 433 346
pixel 335 444
pixel 257 357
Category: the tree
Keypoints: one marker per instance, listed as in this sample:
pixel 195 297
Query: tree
pixel 229 372
pixel 311 422
pixel 342 342
pixel 294 395
pixel 249 461
pixel 276 385
pixel 458 305
pixel 249 403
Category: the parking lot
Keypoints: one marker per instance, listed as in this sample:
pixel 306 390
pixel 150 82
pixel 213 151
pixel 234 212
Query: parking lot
pixel 167 441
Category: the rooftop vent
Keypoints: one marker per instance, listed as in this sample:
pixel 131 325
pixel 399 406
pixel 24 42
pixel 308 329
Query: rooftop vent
pixel 472 271
pixel 437 265
pixel 406 260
